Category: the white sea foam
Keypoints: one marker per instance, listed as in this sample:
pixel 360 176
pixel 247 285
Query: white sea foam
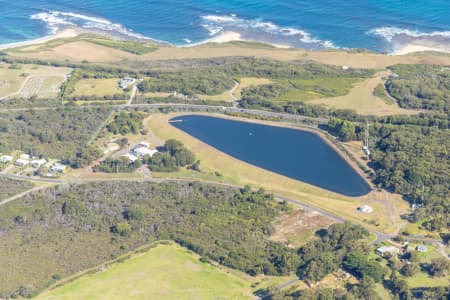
pixel 57 20
pixel 187 41
pixel 405 40
pixel 389 33
pixel 260 29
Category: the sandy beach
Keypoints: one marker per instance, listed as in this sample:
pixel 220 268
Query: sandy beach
pixel 66 33
pixel 230 36
pixel 412 48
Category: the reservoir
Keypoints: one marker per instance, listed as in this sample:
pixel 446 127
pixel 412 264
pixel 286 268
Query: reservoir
pixel 297 154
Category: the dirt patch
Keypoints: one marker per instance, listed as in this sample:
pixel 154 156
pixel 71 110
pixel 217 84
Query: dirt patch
pixel 296 228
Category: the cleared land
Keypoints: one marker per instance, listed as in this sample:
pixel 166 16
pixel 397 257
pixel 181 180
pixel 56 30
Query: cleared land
pixel 249 81
pixel 296 228
pixel 31 80
pixel 306 89
pixel 97 87
pixel 237 172
pixel 164 272
pixel 362 99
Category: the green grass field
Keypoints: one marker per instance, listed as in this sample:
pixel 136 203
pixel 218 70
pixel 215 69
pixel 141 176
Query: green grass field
pixel 307 89
pixel 164 272
pixel 97 87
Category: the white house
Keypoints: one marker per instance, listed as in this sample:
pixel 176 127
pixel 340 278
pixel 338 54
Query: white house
pixel 143 151
pixel 6 159
pixel 21 162
pixel 58 168
pixel 37 163
pixel 126 82
pixel 25 156
pixel 387 250
pixel 421 248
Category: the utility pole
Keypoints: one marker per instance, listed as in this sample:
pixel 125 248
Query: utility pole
pixel 366 141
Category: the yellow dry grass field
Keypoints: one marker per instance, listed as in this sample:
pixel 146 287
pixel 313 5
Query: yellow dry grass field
pixel 246 82
pixel 238 172
pixel 31 80
pixel 361 99
pixel 78 51
pixel 97 87
pixel 83 50
pixel 225 96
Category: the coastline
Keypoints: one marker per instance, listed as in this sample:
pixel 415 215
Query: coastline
pixel 65 33
pixel 414 48
pixel 223 38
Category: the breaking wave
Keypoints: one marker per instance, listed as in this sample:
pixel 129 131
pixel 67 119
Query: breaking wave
pixel 58 20
pixel 262 31
pixel 399 37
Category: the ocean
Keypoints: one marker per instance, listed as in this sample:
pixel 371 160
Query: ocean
pixel 377 25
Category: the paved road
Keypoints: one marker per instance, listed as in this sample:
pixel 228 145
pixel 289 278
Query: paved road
pixel 190 107
pixel 36 179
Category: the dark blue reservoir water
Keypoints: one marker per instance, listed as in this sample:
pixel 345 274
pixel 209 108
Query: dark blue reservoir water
pixel 294 153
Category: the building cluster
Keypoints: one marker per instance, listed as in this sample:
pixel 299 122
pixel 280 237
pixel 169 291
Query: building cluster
pixel 140 151
pixel 390 251
pixel 26 161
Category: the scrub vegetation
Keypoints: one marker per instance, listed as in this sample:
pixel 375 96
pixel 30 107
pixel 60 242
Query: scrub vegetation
pixel 103 220
pixel 304 79
pixel 10 187
pixel 421 86
pixel 56 133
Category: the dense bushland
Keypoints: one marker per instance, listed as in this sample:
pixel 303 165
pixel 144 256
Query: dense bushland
pixel 421 86
pixel 56 133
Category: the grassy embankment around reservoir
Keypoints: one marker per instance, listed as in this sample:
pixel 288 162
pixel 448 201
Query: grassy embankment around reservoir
pixel 236 172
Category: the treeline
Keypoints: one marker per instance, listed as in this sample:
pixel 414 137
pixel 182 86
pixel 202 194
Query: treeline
pixel 97 221
pixel 52 133
pixel 119 165
pixel 113 97
pixel 420 86
pixel 142 99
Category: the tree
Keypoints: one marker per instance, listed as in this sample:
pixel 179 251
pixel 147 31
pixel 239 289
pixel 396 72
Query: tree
pixel 439 267
pixel 410 269
pixel 122 228
pixel 357 263
pixel 344 129
pixel 323 264
pixel 398 286
pixel 172 146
